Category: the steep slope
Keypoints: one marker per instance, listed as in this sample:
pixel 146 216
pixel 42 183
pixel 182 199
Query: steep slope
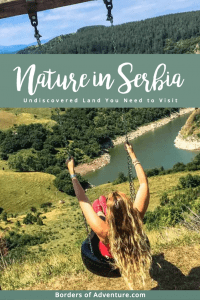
pixel 54 261
pixel 189 135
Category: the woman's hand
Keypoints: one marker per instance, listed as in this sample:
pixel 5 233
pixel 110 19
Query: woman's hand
pixel 130 150
pixel 70 165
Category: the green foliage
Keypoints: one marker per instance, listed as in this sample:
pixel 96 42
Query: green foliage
pixel 29 219
pixel 2 136
pixel 33 209
pixel 90 128
pixel 121 178
pixel 189 181
pixel 179 167
pixel 26 161
pixel 170 211
pixel 183 46
pixel 5 217
pixel 31 148
pixel 163 217
pixel 164 199
pixel 4 156
pixel 154 172
pixel 18 224
pixel 64 184
pixel 15 240
pixel 39 222
pixel 54 170
pixel 24 137
pixel 1 210
pixel 46 204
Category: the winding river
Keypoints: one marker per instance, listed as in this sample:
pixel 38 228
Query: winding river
pixel 154 149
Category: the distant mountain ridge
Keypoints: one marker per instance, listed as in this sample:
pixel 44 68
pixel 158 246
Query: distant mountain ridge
pixel 15 48
pixel 11 49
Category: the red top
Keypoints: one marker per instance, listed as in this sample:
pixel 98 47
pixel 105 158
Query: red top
pixel 100 205
pixel 105 249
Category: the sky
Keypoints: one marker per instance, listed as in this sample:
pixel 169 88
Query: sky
pixel 18 30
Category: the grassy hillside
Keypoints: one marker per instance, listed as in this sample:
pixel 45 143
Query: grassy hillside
pixel 54 262
pixel 46 254
pixel 17 116
pixel 19 191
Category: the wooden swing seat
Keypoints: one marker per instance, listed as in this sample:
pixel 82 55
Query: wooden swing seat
pixel 11 8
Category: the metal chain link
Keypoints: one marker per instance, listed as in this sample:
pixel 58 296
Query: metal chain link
pixel 62 132
pixel 34 22
pixel 113 38
pixel 109 6
pixel 130 171
pixel 32 13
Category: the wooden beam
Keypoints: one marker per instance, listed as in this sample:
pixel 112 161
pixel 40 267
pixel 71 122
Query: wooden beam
pixel 11 8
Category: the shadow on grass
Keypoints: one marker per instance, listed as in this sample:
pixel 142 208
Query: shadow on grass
pixel 169 277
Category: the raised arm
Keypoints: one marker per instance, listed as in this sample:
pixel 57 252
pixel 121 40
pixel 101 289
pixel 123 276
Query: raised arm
pixel 97 224
pixel 142 196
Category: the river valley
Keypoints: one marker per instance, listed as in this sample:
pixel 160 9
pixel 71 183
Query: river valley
pixel 153 149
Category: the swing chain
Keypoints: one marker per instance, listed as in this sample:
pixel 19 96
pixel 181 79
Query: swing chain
pixel 109 6
pixel 130 173
pixel 34 23
pixel 62 132
pixel 32 13
pixel 113 40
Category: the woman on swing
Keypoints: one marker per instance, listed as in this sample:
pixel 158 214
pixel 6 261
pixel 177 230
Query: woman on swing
pixel 120 232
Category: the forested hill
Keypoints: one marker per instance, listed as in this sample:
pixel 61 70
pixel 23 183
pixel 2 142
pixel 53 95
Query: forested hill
pixel 151 36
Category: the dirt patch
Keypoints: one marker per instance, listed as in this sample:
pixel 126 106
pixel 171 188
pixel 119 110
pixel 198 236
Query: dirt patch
pixel 197 51
pixel 96 164
pixel 7 119
pixel 187 137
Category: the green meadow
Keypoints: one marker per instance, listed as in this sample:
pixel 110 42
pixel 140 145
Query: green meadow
pixel 46 254
pixel 56 259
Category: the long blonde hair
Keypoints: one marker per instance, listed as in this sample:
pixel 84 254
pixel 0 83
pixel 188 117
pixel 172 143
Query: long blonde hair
pixel 128 243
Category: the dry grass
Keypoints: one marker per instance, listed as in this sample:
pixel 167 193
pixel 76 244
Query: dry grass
pixel 42 113
pixel 58 265
pixel 7 120
pixel 175 266
pixel 4 165
pixel 20 191
pixel 33 272
pixel 12 117
pixel 175 262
